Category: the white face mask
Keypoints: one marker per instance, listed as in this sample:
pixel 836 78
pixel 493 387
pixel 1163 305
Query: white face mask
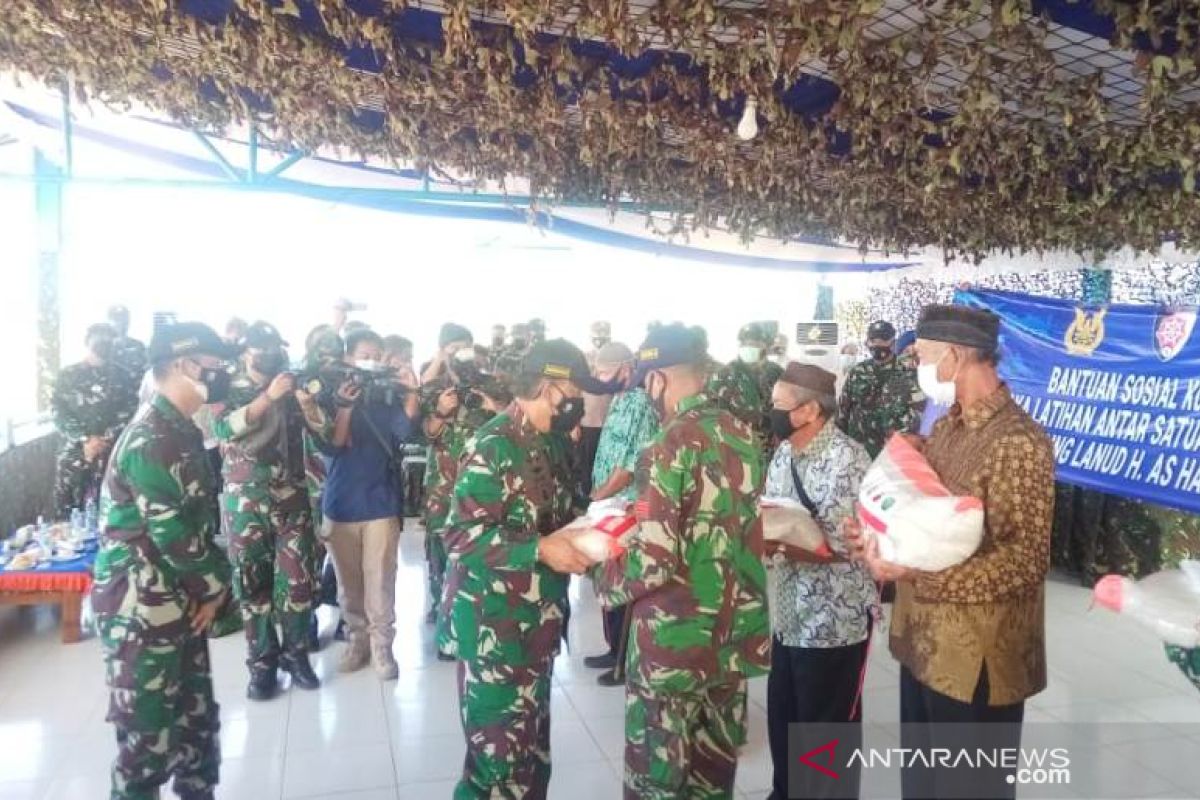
pixel 464 355
pixel 367 365
pixel 941 393
pixel 749 354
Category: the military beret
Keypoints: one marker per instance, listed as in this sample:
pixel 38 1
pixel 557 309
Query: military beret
pixel 452 332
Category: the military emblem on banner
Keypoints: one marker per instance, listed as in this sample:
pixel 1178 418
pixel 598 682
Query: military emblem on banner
pixel 1172 330
pixel 1086 333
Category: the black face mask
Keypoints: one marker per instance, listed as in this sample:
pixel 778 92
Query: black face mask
pixel 568 413
pixel 781 423
pixel 102 349
pixel 269 363
pixel 881 352
pixel 217 382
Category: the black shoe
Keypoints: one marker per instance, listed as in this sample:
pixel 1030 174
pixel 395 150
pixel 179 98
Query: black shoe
pixel 606 661
pixel 297 665
pixel 431 617
pixel 610 679
pixel 444 656
pixel 340 632
pixel 263 684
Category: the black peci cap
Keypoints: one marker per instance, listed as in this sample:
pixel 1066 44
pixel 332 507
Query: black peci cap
pixel 971 327
pixel 188 339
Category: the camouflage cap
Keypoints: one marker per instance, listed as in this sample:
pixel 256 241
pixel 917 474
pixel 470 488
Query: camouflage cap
pixel 188 339
pixel 452 332
pixel 763 332
pixel 560 360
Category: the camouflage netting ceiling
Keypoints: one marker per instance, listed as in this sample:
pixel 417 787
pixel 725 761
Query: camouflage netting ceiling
pixel 966 124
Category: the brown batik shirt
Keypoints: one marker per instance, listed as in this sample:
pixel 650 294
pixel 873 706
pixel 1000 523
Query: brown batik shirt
pixel 989 610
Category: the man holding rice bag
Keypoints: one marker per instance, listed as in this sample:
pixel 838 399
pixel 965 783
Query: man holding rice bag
pixel 693 582
pixel 971 638
pixel 821 605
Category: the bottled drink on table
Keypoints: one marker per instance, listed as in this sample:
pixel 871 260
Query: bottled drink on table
pixel 91 519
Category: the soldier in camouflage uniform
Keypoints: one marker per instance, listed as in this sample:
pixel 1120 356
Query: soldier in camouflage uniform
pixel 127 351
pixel 754 340
pixel 505 592
pixel 694 584
pixel 91 403
pixel 160 579
pixel 880 396
pixel 266 508
pixel 507 360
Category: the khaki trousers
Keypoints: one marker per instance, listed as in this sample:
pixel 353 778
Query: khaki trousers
pixel 364 557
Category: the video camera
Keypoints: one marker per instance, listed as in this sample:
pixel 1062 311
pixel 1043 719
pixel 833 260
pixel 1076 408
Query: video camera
pixel 378 386
pixel 470 384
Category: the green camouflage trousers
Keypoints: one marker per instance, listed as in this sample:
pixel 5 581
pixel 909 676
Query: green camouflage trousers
pixel 272 546
pixel 435 562
pixel 75 479
pixel 161 703
pixel 683 745
pixel 506 720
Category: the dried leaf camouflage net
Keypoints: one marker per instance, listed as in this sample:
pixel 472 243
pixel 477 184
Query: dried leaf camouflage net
pixel 1015 153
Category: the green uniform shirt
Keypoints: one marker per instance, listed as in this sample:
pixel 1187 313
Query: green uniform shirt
pixel 157 555
pixel 879 400
pixel 514 485
pixel 692 573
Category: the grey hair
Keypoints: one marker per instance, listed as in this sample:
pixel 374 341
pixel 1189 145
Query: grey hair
pixel 801 396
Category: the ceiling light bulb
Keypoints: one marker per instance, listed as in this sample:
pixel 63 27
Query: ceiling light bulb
pixel 747 129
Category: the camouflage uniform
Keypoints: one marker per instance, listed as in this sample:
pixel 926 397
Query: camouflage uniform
pixel 764 376
pixel 697 593
pixel 157 562
pixel 87 401
pixel 735 390
pixel 268 521
pixel 878 400
pixel 441 471
pixel 505 609
pixel 130 354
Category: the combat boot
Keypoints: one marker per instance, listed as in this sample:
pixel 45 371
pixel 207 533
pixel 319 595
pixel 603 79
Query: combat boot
pixel 263 683
pixel 298 666
pixel 385 663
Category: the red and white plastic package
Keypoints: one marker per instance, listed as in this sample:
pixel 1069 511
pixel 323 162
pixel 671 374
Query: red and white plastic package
pixel 604 530
pixel 916 520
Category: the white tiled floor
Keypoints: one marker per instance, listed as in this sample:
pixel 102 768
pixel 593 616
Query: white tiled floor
pixel 358 739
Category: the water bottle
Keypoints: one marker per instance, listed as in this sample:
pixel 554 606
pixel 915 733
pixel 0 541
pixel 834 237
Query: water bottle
pixel 42 535
pixel 1167 602
pixel 77 529
pixel 91 519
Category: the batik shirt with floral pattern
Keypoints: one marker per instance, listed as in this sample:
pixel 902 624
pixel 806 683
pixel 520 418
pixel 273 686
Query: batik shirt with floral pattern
pixel 821 605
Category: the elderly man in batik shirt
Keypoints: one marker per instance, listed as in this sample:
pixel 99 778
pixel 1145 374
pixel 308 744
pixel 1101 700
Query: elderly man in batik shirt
pixel 821 608
pixel 971 639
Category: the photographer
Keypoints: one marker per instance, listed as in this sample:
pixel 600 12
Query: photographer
pixel 266 509
pixel 452 415
pixel 363 501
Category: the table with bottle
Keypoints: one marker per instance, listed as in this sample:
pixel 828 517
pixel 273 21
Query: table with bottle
pixel 51 563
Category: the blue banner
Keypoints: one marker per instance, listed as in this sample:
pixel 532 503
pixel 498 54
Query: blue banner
pixel 1117 388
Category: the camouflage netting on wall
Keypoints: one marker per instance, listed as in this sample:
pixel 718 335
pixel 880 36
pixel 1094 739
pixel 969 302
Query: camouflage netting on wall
pixel 27 482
